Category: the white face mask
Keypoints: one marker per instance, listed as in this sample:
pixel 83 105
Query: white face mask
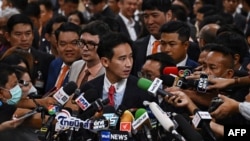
pixel 32 91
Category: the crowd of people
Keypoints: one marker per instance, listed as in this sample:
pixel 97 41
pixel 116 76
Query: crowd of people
pixel 110 44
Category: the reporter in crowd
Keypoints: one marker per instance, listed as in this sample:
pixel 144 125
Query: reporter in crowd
pixel 10 95
pixel 180 99
pixel 22 24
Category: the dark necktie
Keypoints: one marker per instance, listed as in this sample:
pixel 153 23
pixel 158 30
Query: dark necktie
pixel 111 95
pixel 86 76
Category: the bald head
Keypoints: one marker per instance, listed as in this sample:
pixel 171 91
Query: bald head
pixel 207 34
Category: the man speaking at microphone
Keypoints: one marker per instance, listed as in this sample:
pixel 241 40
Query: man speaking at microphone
pixel 115 52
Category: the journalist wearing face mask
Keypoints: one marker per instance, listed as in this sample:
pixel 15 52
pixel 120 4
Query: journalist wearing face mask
pixel 10 95
pixel 25 82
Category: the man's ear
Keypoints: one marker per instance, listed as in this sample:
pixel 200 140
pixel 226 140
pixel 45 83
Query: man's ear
pixel 186 44
pixel 47 36
pixel 236 59
pixel 104 61
pixel 7 36
pixel 230 73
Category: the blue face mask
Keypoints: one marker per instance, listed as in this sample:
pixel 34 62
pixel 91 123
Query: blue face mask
pixel 16 94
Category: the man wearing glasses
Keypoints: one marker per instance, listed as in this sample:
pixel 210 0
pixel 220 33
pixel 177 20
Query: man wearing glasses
pixel 90 66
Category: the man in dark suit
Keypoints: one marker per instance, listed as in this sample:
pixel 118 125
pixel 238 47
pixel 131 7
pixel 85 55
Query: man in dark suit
pixel 230 8
pixel 100 9
pixel 20 34
pixel 67 36
pixel 155 14
pixel 115 52
pixel 125 18
pixel 175 42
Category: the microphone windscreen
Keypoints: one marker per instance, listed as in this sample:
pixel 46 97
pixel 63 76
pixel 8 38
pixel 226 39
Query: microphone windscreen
pixel 108 109
pixel 170 70
pixel 120 110
pixel 167 80
pixel 140 112
pixel 127 116
pixel 185 129
pixel 70 88
pixel 144 83
pixel 91 95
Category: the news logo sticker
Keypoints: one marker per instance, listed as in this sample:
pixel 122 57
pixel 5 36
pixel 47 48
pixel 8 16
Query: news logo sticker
pixel 125 126
pixel 53 109
pixel 184 73
pixel 236 132
pixel 105 136
pixel 82 103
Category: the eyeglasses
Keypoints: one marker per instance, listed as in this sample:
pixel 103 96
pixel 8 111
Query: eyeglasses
pixel 144 75
pixel 89 44
pixel 24 83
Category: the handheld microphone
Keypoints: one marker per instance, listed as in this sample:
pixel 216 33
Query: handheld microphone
pixel 126 121
pixel 62 95
pixel 186 129
pixel 202 120
pixel 160 115
pixel 142 121
pixel 77 93
pixel 109 113
pixel 163 119
pixel 96 105
pixel 84 100
pixel 152 87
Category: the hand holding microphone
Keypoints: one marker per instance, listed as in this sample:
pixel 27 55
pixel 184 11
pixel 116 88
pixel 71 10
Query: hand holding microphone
pixel 180 99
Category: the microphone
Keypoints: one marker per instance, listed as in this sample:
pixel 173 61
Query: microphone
pixel 181 71
pixel 126 121
pixel 186 129
pixel 97 104
pixel 77 93
pixel 83 99
pixel 45 131
pixel 66 121
pixel 142 121
pixel 62 95
pixel 109 113
pixel 152 87
pixel 202 120
pixel 160 115
pixel 120 110
pixel 163 118
pixel 98 124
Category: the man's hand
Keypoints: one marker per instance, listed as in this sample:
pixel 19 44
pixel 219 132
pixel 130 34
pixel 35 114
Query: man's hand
pixel 10 124
pixel 46 102
pixel 219 83
pixel 226 109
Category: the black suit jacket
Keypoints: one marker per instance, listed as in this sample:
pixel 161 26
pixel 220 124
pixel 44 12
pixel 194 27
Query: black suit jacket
pixel 139 53
pixel 133 96
pixel 107 12
pixel 40 66
pixel 123 28
pixel 240 21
